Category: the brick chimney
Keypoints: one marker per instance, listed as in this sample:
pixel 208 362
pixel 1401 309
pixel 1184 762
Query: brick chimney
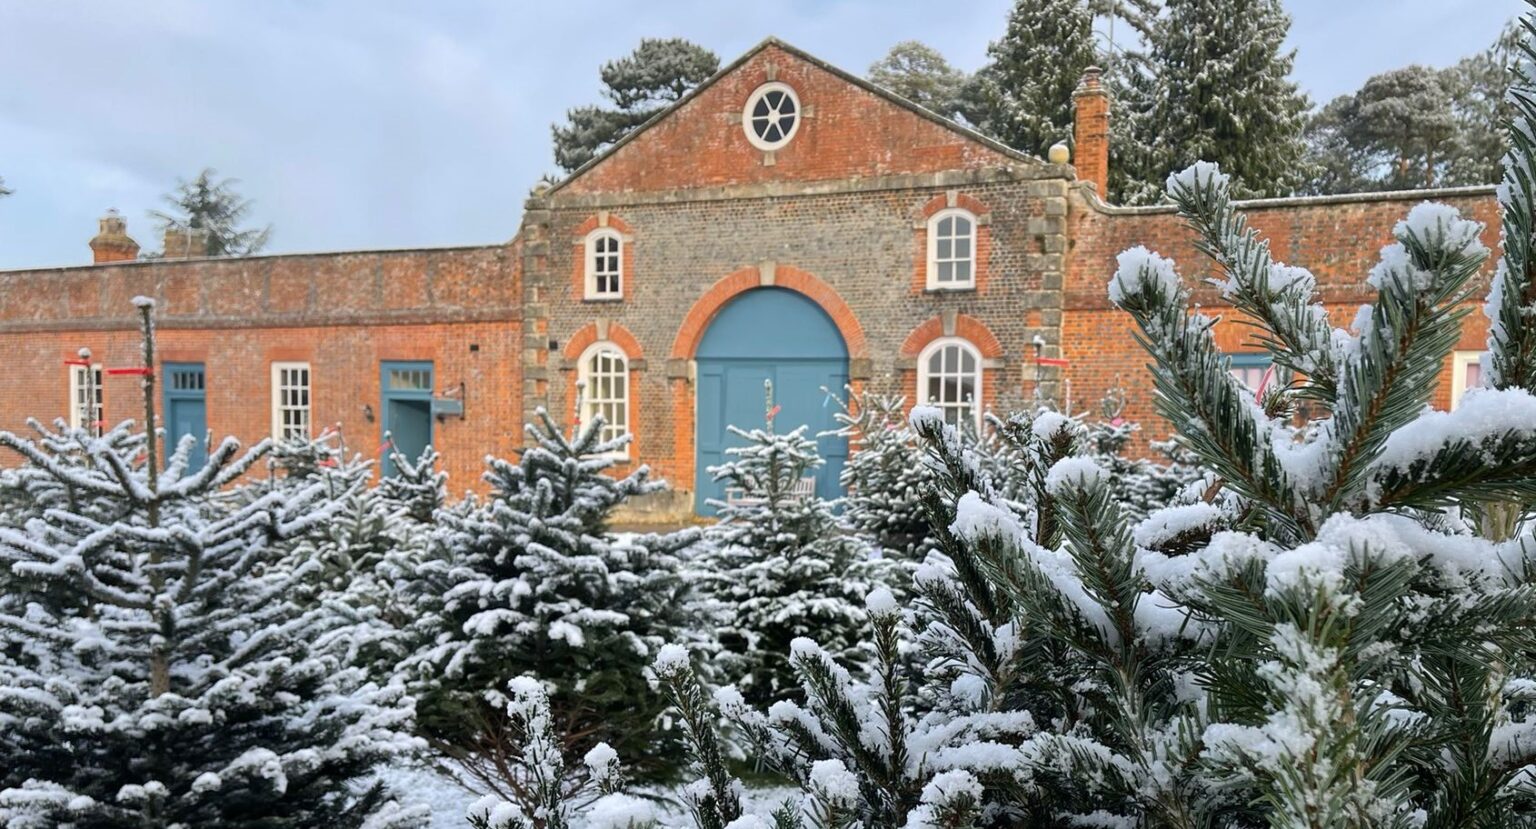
pixel 1090 130
pixel 185 243
pixel 112 243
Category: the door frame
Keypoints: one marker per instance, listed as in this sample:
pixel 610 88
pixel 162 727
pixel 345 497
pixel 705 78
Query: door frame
pixel 388 395
pixel 169 395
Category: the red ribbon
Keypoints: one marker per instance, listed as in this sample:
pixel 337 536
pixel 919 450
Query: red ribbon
pixel 137 371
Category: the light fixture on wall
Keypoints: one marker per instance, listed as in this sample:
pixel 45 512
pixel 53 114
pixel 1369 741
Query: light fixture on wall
pixel 368 412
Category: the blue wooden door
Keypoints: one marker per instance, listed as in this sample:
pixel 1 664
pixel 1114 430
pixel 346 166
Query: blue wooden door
pixel 407 404
pixel 768 334
pixel 186 410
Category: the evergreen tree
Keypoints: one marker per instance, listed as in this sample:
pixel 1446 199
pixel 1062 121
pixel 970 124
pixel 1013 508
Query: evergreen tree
pixel 885 475
pixel 1023 96
pixel 1415 127
pixel 210 204
pixel 553 790
pixel 532 580
pixel 418 488
pixel 654 76
pixel 1399 129
pixel 920 74
pixel 780 567
pixel 1141 486
pixel 1478 86
pixel 1221 91
pixel 156 666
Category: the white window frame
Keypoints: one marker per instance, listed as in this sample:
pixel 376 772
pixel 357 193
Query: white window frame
pixel 933 250
pixel 1460 360
pixel 978 377
pixel 590 245
pixel 746 116
pixel 77 390
pixel 591 402
pixel 279 406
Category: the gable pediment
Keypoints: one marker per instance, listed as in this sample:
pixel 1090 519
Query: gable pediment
pixel 733 131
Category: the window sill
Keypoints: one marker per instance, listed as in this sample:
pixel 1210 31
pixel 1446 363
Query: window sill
pixel 958 289
pixel 602 299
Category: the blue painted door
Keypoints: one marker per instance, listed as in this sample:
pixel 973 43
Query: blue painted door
pixel 768 334
pixel 186 409
pixel 407 404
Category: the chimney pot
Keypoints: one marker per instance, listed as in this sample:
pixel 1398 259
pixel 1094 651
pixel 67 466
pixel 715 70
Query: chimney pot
pixel 1090 130
pixel 112 243
pixel 185 242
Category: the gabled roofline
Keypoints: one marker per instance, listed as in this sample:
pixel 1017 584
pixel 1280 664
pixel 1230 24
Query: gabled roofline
pixel 849 77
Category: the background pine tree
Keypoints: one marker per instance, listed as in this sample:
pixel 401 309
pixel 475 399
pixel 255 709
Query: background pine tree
pixel 920 74
pixel 637 86
pixel 778 565
pixel 213 205
pixel 1023 96
pixel 1220 91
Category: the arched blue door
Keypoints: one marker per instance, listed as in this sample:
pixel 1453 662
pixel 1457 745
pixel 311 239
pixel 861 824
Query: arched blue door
pixel 768 334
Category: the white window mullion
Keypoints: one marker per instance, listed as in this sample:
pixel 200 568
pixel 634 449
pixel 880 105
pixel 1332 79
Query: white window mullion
pixel 291 405
pixel 85 413
pixel 604 265
pixel 604 374
pixel 952 250
pixel 949 377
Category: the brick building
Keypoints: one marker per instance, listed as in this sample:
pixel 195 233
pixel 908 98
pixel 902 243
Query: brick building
pixel 785 222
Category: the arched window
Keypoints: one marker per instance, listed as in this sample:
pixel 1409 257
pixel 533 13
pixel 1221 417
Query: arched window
pixel 949 377
pixel 605 265
pixel 952 250
pixel 604 374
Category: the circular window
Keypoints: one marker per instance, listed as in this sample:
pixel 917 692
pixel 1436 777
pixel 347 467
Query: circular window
pixel 771 116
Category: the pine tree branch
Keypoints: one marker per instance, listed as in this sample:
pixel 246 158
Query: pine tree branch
pixel 1282 300
pixel 1387 380
pixel 1216 419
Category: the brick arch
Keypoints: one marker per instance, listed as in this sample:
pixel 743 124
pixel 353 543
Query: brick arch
pixel 626 342
pixel 588 334
pixel 686 344
pixel 942 202
pixel 966 328
pixel 604 219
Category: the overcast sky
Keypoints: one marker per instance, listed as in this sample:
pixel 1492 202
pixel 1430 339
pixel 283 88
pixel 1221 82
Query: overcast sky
pixel 373 124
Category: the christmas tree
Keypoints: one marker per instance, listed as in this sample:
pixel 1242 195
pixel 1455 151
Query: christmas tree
pixel 531 580
pixel 885 475
pixel 555 791
pixel 158 672
pixel 779 565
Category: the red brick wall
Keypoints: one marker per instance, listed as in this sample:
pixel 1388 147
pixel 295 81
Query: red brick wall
pixel 1339 240
pixel 342 313
pixel 847 132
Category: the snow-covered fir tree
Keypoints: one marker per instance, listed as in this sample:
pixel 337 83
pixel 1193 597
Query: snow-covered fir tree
pixel 1221 91
pixel 779 566
pixel 418 489
pixel 1023 96
pixel 884 477
pixel 532 581
pixel 157 670
pixel 555 791
pixel 1141 485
